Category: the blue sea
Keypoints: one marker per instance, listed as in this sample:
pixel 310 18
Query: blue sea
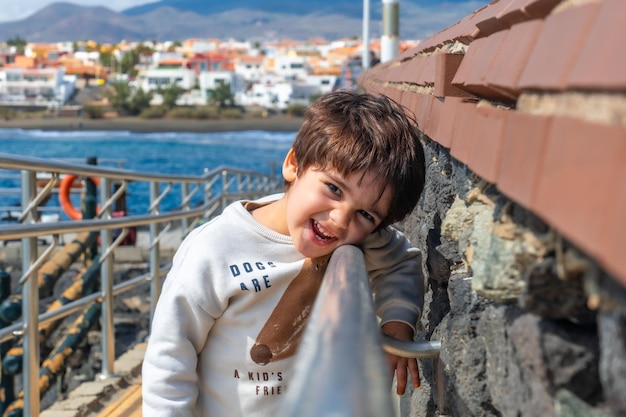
pixel 171 153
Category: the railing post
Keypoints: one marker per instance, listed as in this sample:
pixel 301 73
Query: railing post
pixel 7 382
pixel 155 262
pixel 184 223
pixel 224 188
pixel 106 288
pixel 30 306
pixel 89 205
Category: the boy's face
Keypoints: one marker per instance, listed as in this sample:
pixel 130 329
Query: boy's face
pixel 325 210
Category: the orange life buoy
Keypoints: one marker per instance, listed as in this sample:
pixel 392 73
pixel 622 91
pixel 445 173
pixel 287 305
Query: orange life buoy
pixel 64 196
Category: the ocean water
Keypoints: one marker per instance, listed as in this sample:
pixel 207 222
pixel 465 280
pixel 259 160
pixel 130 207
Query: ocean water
pixel 171 153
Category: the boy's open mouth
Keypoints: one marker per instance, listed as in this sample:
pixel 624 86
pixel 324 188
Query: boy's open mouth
pixel 319 233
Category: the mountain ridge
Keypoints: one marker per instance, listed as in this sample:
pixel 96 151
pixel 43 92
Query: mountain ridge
pixel 177 20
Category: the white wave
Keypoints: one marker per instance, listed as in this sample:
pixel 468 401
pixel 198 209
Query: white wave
pixel 174 137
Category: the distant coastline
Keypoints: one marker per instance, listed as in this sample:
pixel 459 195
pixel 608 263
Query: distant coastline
pixel 273 123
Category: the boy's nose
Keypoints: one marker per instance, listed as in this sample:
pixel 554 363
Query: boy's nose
pixel 340 217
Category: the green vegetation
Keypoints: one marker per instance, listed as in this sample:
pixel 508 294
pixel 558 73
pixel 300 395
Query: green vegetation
pixel 94 112
pixel 198 113
pixel 154 112
pixel 231 113
pixel 170 95
pixel 205 113
pixel 191 113
pixel 296 110
pixel 128 101
pixel 19 44
pixel 130 59
pixel 6 113
pixel 107 59
pixel 222 96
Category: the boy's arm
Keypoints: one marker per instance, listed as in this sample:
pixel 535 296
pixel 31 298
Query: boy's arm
pixel 397 282
pixel 179 331
pixel 395 273
pixel 169 373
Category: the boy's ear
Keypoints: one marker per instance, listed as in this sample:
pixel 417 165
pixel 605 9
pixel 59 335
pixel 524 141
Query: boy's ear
pixel 290 166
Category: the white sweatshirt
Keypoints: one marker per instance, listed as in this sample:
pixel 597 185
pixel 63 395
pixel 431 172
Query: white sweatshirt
pixel 233 308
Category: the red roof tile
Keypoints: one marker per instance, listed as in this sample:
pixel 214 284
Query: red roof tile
pixel 539 8
pixel 446 66
pixel 557 48
pixel 431 126
pixel 546 155
pixel 463 134
pixel 508 65
pixel 601 64
pixel 488 130
pixel 522 151
pixel 448 121
pixel 612 253
pixel 485 52
pixel 579 162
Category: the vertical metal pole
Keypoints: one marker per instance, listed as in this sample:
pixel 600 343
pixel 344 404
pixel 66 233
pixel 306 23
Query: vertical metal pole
pixel 106 288
pixel 389 40
pixel 155 264
pixel 224 189
pixel 7 382
pixel 184 223
pixel 30 306
pixel 89 204
pixel 366 34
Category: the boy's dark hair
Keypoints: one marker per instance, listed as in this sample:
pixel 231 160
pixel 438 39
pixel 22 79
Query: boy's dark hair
pixel 359 132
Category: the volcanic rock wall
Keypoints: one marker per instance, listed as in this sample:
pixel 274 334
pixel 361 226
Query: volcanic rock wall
pixel 522 107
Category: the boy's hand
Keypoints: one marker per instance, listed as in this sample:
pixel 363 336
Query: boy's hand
pixel 399 365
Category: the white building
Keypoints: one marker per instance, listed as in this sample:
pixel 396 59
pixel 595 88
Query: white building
pixel 88 57
pixel 271 96
pixel 36 86
pixel 321 84
pixel 153 79
pixel 291 67
pixel 209 80
pixel 159 57
pixel 250 67
pixel 273 92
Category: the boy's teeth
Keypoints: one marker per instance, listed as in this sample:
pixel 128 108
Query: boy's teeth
pixel 320 232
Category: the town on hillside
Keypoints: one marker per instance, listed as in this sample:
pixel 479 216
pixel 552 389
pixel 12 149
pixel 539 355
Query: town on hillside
pixel 99 80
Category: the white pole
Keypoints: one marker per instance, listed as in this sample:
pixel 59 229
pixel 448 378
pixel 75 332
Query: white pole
pixel 389 40
pixel 366 34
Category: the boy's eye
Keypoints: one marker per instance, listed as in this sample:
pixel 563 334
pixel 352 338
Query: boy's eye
pixel 333 188
pixel 367 216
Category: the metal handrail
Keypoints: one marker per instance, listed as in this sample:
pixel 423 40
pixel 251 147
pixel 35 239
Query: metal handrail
pixel 28 163
pixel 341 369
pixel 20 231
pixel 236 183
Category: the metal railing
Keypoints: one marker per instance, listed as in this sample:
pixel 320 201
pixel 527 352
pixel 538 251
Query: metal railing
pixel 213 190
pixel 342 370
pixel 344 376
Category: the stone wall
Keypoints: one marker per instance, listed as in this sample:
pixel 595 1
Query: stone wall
pixel 529 325
pixel 522 107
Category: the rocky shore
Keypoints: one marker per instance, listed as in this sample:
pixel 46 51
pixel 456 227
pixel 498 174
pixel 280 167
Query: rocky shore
pixel 272 123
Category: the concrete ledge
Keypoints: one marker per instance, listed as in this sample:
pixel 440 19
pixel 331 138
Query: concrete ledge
pixel 91 397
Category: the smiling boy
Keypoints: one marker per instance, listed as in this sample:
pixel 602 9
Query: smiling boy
pixel 236 300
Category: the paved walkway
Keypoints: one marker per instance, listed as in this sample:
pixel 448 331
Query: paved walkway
pixel 126 405
pixel 113 397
